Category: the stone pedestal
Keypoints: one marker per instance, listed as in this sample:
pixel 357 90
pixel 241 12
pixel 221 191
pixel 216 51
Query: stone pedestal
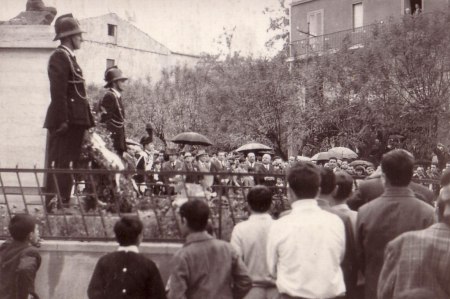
pixel 24 95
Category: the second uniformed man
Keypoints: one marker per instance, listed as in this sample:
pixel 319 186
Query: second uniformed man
pixel 111 108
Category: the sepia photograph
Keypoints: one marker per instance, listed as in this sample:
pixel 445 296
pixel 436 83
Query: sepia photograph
pixel 237 149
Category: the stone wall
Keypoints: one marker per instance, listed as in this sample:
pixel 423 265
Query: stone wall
pixel 25 94
pixel 67 266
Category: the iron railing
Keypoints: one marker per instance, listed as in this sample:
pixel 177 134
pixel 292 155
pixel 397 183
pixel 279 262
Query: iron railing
pixel 352 38
pixel 100 197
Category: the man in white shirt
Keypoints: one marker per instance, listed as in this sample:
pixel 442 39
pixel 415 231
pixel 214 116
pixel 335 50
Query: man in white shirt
pixel 249 239
pixel 306 247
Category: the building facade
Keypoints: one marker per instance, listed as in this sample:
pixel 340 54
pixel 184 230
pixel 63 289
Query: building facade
pixel 316 24
pixel 110 40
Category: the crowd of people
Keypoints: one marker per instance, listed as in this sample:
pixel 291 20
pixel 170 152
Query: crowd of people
pixel 395 245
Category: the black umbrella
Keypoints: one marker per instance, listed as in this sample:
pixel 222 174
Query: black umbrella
pixel 257 147
pixel 191 138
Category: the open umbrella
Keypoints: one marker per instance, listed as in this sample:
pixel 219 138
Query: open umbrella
pixel 130 141
pixel 191 138
pixel 362 163
pixel 253 147
pixel 322 156
pixel 342 153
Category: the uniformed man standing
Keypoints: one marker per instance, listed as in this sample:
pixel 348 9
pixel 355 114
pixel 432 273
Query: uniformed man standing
pixel 111 108
pixel 69 114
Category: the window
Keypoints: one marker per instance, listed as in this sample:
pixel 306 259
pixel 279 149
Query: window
pixel 357 15
pixel 412 6
pixel 110 63
pixel 112 30
pixel 315 21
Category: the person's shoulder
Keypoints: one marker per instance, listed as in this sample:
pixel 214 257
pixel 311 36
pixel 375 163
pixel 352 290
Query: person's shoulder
pixel 58 55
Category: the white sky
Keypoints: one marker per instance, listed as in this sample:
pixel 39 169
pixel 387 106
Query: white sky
pixel 189 26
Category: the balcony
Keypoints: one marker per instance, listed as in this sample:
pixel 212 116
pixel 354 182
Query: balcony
pixel 329 43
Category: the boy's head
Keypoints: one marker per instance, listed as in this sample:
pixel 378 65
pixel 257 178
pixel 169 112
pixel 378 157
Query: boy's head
pixel 327 181
pixel 128 231
pixel 303 181
pixel 194 216
pixel 344 186
pixel 259 199
pixel 22 227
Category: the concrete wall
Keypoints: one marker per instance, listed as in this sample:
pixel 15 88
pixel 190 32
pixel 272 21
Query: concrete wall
pixel 67 266
pixel 24 93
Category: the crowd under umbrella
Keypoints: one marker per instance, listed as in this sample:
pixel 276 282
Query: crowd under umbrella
pixel 191 138
pixel 342 153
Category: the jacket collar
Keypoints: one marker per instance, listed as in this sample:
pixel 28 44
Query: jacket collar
pixel 397 192
pixel 131 248
pixel 197 237
pixel 72 53
pixel 116 92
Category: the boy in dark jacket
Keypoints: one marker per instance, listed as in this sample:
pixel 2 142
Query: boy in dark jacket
pixel 19 259
pixel 126 273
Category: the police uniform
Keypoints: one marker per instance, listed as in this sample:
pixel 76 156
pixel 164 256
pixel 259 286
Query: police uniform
pixel 113 115
pixel 69 105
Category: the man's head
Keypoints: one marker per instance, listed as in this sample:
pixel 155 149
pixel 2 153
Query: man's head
pixel 68 31
pixel 398 167
pixel 188 157
pixel 291 160
pixel 23 228
pixel 259 199
pixel 303 181
pixel 344 186
pixel 266 159
pixel 128 231
pixel 251 157
pixel 221 156
pixel 194 216
pixel 114 78
pixel 433 168
pixel 332 163
pixel 327 181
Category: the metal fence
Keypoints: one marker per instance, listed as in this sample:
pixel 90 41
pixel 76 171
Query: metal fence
pixel 352 38
pixel 100 197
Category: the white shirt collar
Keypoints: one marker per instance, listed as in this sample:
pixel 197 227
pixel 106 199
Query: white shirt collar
pixel 131 248
pixel 116 92
pixel 302 204
pixel 72 53
pixel 260 216
pixel 342 206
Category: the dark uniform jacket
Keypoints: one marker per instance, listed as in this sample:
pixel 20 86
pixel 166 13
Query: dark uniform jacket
pixel 68 94
pixel 113 115
pixel 126 275
pixel 19 263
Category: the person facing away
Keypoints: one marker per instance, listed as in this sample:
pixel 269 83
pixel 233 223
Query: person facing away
pixel 305 248
pixel 69 113
pixel 395 212
pixel 126 273
pixel 19 259
pixel 249 239
pixel 205 267
pixel 420 259
pixel 343 191
pixel 325 200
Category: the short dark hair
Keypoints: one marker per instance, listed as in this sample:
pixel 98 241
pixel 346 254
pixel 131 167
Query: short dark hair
pixel 21 225
pixel 259 198
pixel 196 213
pixel 445 178
pixel 304 179
pixel 344 184
pixel 398 167
pixel 127 230
pixel 327 181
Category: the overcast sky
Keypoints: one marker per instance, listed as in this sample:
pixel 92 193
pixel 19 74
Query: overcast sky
pixel 189 26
